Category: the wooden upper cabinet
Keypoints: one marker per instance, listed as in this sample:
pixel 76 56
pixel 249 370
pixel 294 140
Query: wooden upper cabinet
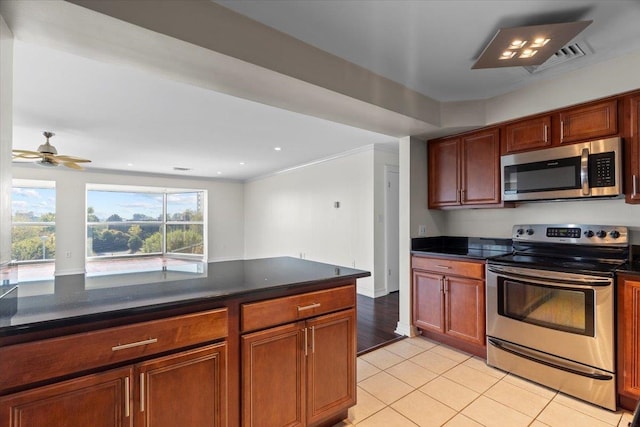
pixel 465 170
pixel 632 150
pixel 480 166
pixel 444 173
pixel 590 121
pixel 528 134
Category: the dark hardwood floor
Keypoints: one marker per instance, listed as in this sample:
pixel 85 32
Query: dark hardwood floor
pixel 377 321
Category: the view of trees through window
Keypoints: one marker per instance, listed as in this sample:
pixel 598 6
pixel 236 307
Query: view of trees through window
pixel 126 223
pixel 33 228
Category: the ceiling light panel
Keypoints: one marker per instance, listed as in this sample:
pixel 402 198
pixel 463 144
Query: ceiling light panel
pixel 527 46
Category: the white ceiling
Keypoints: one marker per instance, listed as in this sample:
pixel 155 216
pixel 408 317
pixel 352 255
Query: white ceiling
pixel 430 45
pixel 117 114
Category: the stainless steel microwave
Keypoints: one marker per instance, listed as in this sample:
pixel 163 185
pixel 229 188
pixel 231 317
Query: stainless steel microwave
pixel 589 169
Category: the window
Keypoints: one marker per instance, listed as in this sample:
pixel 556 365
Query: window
pixel 33 228
pixel 158 225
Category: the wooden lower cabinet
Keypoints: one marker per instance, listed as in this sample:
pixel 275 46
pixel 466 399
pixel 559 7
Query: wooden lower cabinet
pixel 184 389
pixel 100 400
pixel 299 374
pixel 628 341
pixel 449 307
pixel 187 388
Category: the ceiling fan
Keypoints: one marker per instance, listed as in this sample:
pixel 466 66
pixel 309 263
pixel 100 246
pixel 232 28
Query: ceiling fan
pixel 47 155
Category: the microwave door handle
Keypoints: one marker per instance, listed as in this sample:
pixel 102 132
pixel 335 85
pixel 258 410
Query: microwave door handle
pixel 584 171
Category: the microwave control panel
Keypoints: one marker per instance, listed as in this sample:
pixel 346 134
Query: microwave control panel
pixel 602 170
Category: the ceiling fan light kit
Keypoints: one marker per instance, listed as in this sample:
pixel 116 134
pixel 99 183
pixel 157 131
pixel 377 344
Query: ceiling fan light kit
pixel 527 46
pixel 47 155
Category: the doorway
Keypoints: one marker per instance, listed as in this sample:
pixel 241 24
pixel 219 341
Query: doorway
pixel 392 227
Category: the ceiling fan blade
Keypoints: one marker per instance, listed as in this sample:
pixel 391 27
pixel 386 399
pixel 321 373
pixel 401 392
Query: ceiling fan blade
pixel 26 154
pixel 73 165
pixel 64 158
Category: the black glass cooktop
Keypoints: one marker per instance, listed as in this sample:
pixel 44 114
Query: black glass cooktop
pixel 557 263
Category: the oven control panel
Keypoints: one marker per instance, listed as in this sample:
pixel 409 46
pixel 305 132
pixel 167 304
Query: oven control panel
pixel 582 234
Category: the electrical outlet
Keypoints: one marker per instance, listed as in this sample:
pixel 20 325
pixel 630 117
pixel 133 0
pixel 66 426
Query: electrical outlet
pixel 67 254
pixel 422 230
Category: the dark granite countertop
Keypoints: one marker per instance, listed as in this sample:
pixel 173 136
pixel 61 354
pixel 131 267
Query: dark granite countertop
pixel 460 247
pixel 78 298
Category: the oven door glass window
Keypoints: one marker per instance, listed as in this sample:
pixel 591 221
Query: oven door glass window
pixel 555 307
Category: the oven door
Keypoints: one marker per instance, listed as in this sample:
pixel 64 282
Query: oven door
pixel 569 316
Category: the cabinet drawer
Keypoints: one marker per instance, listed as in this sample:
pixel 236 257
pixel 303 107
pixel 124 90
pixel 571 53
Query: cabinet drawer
pixel 277 311
pixel 56 357
pixel 449 267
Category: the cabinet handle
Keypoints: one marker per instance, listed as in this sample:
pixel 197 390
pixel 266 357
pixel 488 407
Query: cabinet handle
pixel 306 344
pixel 546 128
pixel 313 339
pixel 134 344
pixel 634 181
pixel 127 408
pixel 446 267
pixel 561 130
pixel 309 307
pixel 142 392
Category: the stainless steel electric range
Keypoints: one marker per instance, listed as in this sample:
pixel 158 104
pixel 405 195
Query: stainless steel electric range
pixel 551 307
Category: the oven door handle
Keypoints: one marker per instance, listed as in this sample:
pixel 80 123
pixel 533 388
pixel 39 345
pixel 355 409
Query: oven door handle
pixel 577 283
pixel 504 346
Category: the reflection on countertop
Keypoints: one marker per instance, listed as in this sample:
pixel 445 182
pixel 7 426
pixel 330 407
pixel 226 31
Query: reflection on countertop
pixel 461 247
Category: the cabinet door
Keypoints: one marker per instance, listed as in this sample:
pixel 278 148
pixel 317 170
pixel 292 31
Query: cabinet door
pixel 465 309
pixel 273 377
pixel 444 175
pixel 99 400
pixel 588 122
pixel 629 338
pixel 632 146
pixel 331 364
pixel 188 389
pixel 480 163
pixel 428 304
pixel 528 134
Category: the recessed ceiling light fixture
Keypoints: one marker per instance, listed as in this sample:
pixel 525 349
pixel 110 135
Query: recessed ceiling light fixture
pixel 277 148
pixel 527 46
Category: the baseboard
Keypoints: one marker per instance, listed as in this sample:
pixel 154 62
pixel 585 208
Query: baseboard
pixel 406 329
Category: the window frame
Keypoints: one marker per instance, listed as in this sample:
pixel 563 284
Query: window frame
pixel 162 224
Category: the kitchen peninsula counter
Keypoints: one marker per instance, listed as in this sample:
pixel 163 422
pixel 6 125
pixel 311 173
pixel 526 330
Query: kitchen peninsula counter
pixel 238 326
pixel 76 299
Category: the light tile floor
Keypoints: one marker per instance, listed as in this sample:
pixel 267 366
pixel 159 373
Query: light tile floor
pixel 418 382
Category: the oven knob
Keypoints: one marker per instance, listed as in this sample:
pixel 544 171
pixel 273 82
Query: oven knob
pixel 614 234
pixel 601 234
pixel 530 231
pixel 520 231
pixel 588 233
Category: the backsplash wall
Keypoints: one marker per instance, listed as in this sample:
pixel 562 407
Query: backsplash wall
pixel 498 222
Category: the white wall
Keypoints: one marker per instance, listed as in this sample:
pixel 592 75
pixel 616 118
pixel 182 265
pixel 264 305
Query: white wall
pixel 498 222
pixel 6 108
pixel 292 213
pixel 225 210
